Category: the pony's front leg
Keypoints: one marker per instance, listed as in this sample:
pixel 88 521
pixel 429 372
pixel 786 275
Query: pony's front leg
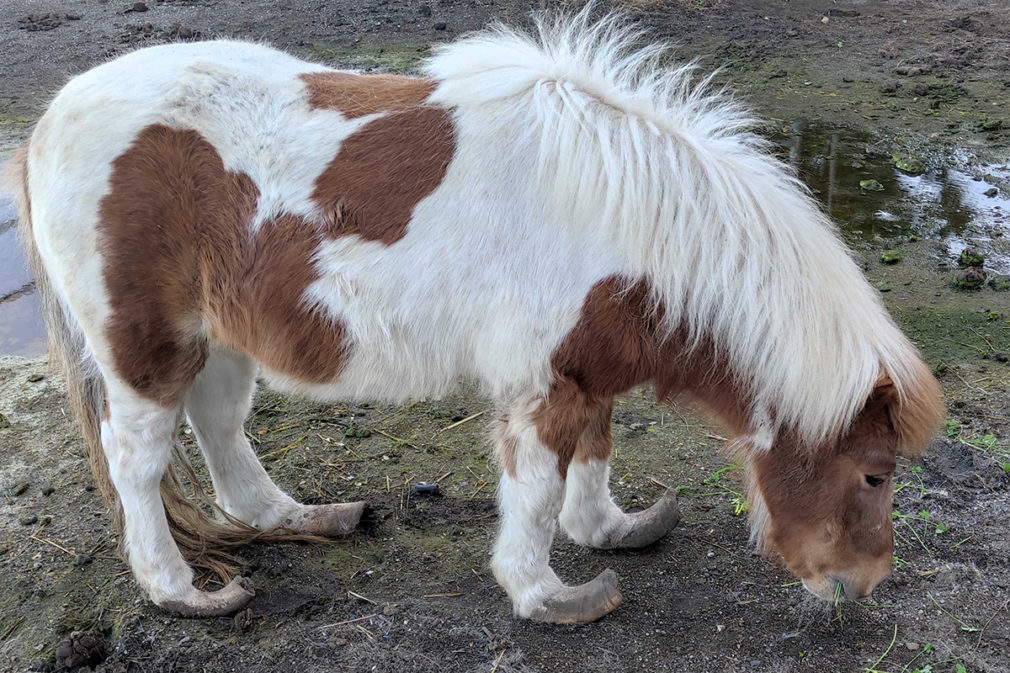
pixel 530 494
pixel 589 516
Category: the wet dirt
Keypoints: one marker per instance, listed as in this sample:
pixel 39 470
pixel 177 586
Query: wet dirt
pixel 413 592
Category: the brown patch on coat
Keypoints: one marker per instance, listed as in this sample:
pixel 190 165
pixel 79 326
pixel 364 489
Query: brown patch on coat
pixel 382 171
pixel 179 264
pixel 619 343
pixel 356 95
pixel 508 447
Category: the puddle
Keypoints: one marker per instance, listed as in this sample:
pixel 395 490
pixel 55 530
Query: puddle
pixel 21 330
pixel 947 204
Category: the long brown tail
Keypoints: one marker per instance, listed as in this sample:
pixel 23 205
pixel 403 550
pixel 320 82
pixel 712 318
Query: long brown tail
pixel 203 538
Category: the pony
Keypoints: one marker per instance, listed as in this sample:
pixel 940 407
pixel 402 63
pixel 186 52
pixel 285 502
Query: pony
pixel 557 214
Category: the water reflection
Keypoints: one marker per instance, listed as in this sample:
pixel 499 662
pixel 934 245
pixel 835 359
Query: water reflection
pixel 21 330
pixel 947 204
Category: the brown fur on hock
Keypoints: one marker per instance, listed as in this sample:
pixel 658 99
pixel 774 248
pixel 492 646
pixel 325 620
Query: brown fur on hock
pixel 584 603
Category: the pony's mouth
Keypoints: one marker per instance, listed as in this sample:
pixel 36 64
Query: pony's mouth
pixel 830 589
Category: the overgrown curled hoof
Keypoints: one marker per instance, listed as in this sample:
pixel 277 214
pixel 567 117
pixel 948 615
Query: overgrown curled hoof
pixel 232 598
pixel 582 604
pixel 325 520
pixel 643 528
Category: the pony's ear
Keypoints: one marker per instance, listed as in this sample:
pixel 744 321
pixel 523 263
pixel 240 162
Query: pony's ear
pixel 914 409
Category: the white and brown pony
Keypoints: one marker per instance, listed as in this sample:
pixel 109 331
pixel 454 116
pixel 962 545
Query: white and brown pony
pixel 556 216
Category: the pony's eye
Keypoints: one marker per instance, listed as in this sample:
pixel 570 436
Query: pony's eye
pixel 874 480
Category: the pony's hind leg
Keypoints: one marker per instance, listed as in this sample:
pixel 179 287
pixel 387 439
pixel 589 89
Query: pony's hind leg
pixel 529 495
pixel 217 404
pixel 137 438
pixel 588 515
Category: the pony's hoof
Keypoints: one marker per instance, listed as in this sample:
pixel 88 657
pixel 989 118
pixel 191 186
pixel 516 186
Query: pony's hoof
pixel 231 598
pixel 584 603
pixel 325 520
pixel 643 528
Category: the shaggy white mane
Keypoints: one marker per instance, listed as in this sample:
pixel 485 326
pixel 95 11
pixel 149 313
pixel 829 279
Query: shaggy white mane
pixel 732 243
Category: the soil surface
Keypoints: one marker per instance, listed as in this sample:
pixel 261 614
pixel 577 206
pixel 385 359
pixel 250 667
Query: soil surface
pixel 857 92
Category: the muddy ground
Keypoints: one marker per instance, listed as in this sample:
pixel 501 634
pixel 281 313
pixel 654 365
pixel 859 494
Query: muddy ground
pixel 849 86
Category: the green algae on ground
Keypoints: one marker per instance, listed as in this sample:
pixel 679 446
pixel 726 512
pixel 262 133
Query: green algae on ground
pixel 969 257
pixel 908 164
pixel 890 257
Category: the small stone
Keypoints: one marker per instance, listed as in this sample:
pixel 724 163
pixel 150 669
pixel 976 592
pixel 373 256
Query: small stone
pixel 970 257
pixel 755 663
pixel 972 279
pixel 890 86
pixel 710 554
pixel 339 642
pixel 18 489
pixel 991 192
pixel 4 423
pixel 48 489
pixel 138 7
pixel 847 79
pixel 424 10
pixel 909 164
pixel 792 32
pixel 243 619
pixel 35 378
pixel 920 89
pixel 912 647
pixel 389 609
pixel 81 560
pixel 72 17
pixel 871 185
pixel 890 257
pixel 777 74
pixel 440 26
pixel 28 519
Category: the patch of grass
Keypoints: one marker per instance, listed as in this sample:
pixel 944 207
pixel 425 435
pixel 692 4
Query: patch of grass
pixel 739 500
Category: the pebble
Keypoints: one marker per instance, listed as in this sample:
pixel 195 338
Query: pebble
pixel 28 519
pixel 889 86
pixel 920 89
pixel 912 646
pixel 48 489
pixel 35 378
pixel 18 489
pixel 424 10
pixel 138 7
pixel 991 192
pixel 81 560
pixel 440 26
